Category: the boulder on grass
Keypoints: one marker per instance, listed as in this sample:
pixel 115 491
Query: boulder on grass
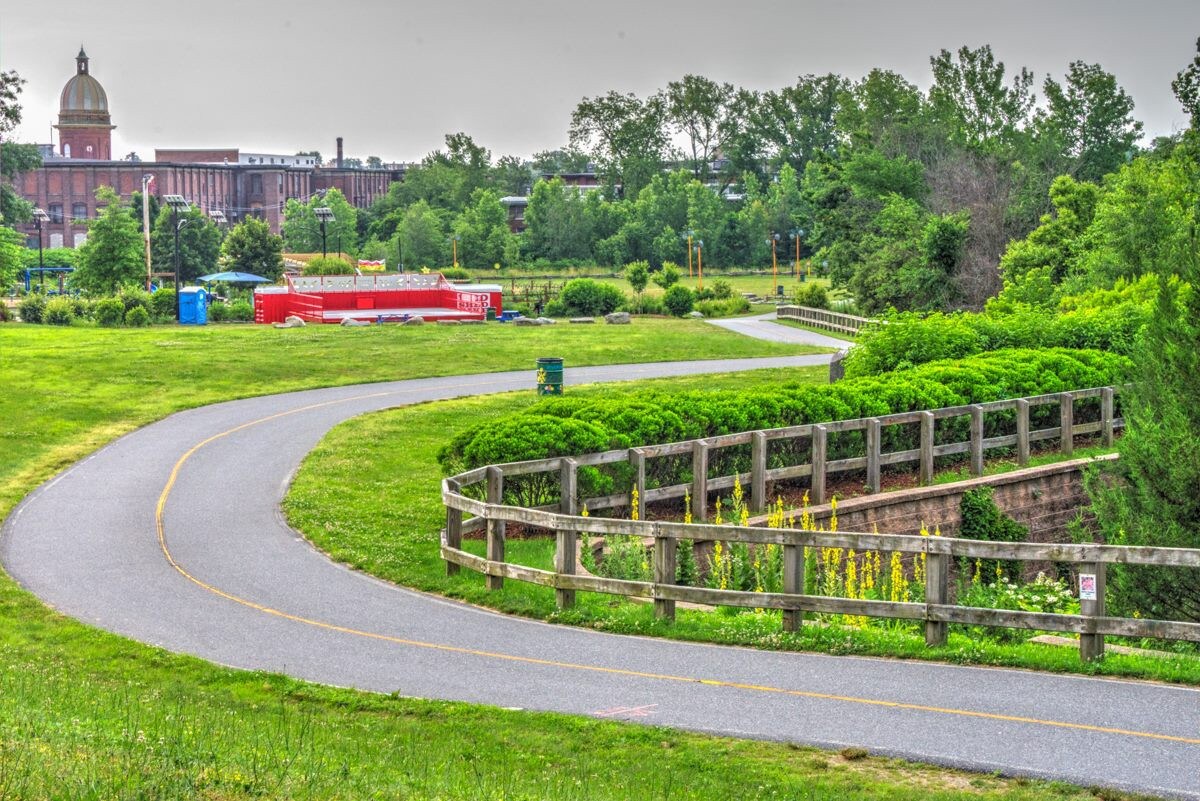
pixel 471 322
pixel 448 322
pixel 291 321
pixel 617 318
pixel 348 322
pixel 526 321
pixel 583 320
pixel 414 321
pixel 696 315
pixel 546 321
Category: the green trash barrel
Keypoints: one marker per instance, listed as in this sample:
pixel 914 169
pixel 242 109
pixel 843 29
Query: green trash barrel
pixel 491 314
pixel 550 376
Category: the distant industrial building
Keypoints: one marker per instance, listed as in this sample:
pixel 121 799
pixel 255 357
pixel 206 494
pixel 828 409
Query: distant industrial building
pixel 237 184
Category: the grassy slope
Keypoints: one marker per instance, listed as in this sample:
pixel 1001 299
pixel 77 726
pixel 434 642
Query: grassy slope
pixel 336 500
pixel 85 714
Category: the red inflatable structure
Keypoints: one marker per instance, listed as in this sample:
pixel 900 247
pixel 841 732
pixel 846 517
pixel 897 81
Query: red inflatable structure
pixel 374 298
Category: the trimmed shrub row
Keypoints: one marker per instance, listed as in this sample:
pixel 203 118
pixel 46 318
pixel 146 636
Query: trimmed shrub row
pixel 572 426
pixel 910 339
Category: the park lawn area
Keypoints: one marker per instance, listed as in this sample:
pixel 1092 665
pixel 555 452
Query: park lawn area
pixel 69 390
pixel 369 495
pixel 87 714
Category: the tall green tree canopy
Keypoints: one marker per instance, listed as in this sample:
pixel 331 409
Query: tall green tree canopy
pixel 113 255
pixel 302 230
pixel 250 247
pixel 199 244
pixel 626 135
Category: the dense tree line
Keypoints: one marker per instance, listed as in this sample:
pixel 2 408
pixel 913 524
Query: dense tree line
pixel 906 197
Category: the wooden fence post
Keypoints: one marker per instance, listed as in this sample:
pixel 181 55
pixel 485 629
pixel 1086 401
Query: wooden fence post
pixel 976 440
pixel 1091 605
pixel 758 472
pixel 928 421
pixel 793 584
pixel 1066 417
pixel 699 481
pixel 664 573
pixel 1106 415
pixel 454 521
pixel 874 435
pixel 566 542
pixel 936 579
pixel 496 528
pixel 820 440
pixel 1022 432
pixel 637 460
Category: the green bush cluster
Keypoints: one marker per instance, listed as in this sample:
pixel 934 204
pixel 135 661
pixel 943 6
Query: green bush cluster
pixel 586 297
pixel 678 300
pixel 32 308
pixel 910 339
pixel 456 273
pixel 812 295
pixel 729 307
pixel 571 426
pixel 108 312
pixel 59 311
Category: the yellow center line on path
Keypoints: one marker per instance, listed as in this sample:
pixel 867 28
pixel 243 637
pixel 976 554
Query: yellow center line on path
pixel 756 688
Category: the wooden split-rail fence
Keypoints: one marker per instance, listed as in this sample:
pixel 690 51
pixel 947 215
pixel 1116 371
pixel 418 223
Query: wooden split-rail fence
pixel 475 501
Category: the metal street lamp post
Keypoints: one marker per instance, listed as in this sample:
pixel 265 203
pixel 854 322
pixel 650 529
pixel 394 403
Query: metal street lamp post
pixel 690 234
pixel 40 216
pixel 796 234
pixel 774 240
pixel 454 244
pixel 147 179
pixel 179 206
pixel 324 214
pixel 700 261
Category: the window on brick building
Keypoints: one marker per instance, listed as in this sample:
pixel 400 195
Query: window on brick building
pixel 79 211
pixel 56 213
pixel 256 186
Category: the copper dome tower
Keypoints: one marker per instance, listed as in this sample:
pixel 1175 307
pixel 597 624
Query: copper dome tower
pixel 84 123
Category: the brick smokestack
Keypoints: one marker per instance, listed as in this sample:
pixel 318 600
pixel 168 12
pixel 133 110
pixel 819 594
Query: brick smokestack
pixel 339 156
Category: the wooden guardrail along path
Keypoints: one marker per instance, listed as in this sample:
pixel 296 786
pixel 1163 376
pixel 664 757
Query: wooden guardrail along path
pixel 828 320
pixel 474 501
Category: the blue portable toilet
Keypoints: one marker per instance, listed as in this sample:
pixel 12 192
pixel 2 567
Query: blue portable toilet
pixel 193 306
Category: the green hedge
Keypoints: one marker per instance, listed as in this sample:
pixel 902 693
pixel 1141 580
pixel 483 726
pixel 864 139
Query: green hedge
pixel 910 339
pixel 572 426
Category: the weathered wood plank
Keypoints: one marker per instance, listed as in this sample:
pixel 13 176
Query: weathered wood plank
pixel 454 526
pixel 976 441
pixel 699 481
pixel 496 525
pixel 1067 418
pixel 820 439
pixel 664 573
pixel 874 430
pixel 758 472
pixel 1022 432
pixel 937 571
pixel 928 422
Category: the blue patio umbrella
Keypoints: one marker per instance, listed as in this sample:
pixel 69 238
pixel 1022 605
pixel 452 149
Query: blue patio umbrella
pixel 234 278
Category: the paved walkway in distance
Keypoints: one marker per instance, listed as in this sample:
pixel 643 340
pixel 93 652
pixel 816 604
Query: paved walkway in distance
pixel 761 326
pixel 231 582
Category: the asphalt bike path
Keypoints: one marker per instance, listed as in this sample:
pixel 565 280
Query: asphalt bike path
pixel 762 326
pixel 173 535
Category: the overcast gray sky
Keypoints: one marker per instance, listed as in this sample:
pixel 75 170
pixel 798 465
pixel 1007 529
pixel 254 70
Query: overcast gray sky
pixel 394 77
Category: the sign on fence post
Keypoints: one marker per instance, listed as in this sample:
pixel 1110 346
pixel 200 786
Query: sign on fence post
pixel 1091 605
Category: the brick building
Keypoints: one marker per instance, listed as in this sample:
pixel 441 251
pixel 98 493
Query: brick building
pixel 224 179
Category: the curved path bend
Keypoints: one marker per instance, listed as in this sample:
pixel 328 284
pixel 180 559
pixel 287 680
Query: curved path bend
pixel 232 583
pixel 763 326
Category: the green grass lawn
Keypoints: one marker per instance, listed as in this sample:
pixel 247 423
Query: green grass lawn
pixel 69 390
pixel 336 501
pixel 89 715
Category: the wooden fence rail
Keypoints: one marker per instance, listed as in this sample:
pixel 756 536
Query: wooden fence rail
pixel 474 501
pixel 823 318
